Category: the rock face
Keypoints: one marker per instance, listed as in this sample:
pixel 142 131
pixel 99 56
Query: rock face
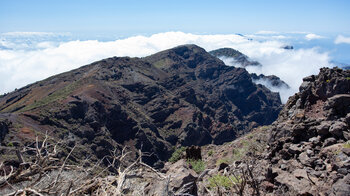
pixel 272 79
pixel 4 128
pixel 181 96
pixel 243 61
pixel 308 148
pixel 237 56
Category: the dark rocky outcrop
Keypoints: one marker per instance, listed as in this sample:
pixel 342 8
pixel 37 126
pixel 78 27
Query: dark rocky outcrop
pixel 237 56
pixel 181 96
pixel 4 128
pixel 242 60
pixel 308 143
pixel 272 79
pixel 193 153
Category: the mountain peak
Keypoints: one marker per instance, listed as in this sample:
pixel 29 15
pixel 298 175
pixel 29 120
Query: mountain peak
pixel 238 57
pixel 190 55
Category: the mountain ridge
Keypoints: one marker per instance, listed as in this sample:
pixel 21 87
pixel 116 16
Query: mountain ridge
pixel 191 99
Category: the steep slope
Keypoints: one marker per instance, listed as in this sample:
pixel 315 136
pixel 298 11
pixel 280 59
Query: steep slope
pixel 242 60
pixel 181 96
pixel 306 151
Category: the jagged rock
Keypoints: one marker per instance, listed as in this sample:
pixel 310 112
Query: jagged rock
pixel 297 183
pixel 341 187
pixel 339 105
pixel 346 151
pixel 329 141
pixel 305 159
pixel 4 128
pixel 267 186
pixel 347 119
pixel 312 127
pixel 270 79
pixel 294 149
pixel 323 128
pixel 346 135
pixel 182 175
pixel 337 129
pixel 222 166
pixel 270 175
pixel 315 140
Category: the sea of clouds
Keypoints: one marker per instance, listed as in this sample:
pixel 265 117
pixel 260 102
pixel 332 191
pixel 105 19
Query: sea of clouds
pixel 26 57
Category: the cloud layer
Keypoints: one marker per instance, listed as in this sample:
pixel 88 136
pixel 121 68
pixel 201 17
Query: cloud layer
pixel 36 60
pixel 342 40
pixel 312 36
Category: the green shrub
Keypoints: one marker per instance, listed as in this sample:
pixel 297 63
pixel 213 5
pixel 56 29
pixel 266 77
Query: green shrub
pixel 223 181
pixel 264 128
pixel 177 154
pixel 10 144
pixel 197 165
pixel 238 154
pixel 224 160
pixel 210 152
pixel 347 144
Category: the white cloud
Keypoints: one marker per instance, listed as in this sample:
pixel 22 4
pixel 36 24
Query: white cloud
pixel 21 66
pixel 298 32
pixel 28 34
pixel 284 92
pixel 290 65
pixel 266 32
pixel 33 34
pixel 341 39
pixel 312 36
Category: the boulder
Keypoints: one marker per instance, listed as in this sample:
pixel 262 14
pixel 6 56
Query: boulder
pixel 339 105
pixel 182 178
pixel 323 128
pixel 337 129
pixel 329 141
pixel 341 187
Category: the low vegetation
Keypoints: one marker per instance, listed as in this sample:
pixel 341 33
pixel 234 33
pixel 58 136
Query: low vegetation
pixel 197 165
pixel 347 144
pixel 177 154
pixel 221 181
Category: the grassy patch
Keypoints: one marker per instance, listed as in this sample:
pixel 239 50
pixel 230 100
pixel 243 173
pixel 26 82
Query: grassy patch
pixel 55 96
pixel 177 154
pixel 223 181
pixel 264 128
pixel 238 154
pixel 210 152
pixel 346 145
pixel 224 160
pixel 197 165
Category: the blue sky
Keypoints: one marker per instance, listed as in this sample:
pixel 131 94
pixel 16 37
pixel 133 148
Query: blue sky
pixel 51 37
pixel 126 18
